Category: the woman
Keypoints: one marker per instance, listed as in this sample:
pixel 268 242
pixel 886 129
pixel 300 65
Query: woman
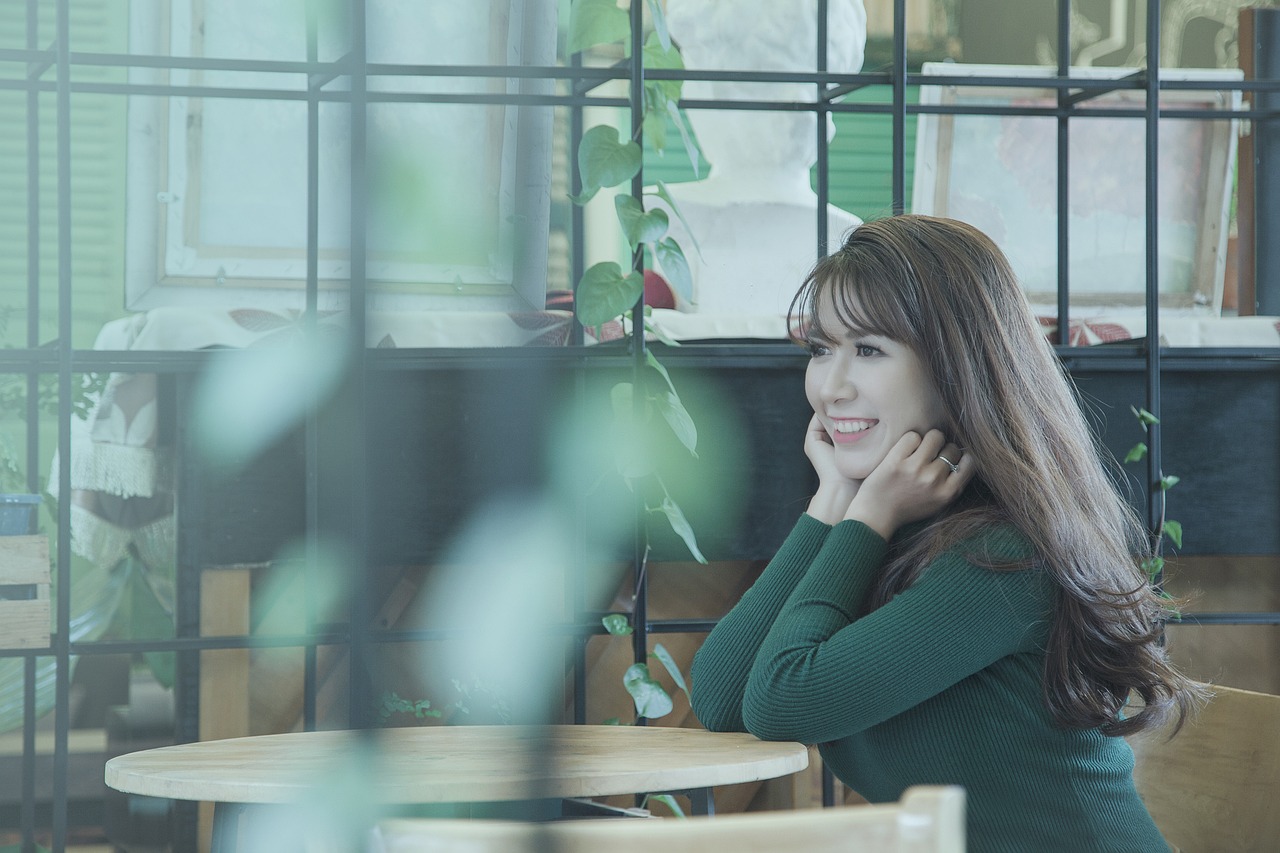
pixel 962 602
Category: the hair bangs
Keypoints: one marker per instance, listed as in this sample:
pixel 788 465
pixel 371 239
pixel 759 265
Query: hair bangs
pixel 844 295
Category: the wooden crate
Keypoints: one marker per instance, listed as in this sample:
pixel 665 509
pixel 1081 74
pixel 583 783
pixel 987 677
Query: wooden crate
pixel 24 561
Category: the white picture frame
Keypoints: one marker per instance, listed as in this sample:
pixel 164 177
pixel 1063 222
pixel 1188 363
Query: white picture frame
pixel 999 173
pixel 217 191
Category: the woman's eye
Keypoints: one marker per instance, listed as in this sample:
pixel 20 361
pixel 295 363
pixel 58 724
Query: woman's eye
pixel 816 349
pixel 866 350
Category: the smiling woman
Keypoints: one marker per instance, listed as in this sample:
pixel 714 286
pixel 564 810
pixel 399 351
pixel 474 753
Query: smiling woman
pixel 962 602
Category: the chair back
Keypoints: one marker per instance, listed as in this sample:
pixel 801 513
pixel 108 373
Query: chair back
pixel 1216 784
pixel 928 819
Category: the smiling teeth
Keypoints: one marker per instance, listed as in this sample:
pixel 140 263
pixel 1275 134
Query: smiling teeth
pixel 852 426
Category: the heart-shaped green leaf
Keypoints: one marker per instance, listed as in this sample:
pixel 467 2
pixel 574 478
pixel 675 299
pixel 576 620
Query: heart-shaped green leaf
pixel 675 266
pixel 1173 529
pixel 605 292
pixel 1137 452
pixel 605 161
pixel 593 22
pixel 650 697
pixel 639 226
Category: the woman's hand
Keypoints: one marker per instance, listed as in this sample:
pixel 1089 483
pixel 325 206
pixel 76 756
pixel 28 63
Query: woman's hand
pixel 835 491
pixel 914 481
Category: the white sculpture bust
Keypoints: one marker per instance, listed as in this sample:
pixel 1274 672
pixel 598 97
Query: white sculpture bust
pixel 754 215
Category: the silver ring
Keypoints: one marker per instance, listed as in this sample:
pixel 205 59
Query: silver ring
pixel 950 464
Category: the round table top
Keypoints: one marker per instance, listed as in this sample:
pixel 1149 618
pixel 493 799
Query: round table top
pixel 457 764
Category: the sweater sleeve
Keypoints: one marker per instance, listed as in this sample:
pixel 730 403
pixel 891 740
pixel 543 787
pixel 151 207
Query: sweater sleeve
pixel 720 668
pixel 822 673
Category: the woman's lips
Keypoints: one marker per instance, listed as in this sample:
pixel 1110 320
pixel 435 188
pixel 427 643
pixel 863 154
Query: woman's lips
pixel 850 430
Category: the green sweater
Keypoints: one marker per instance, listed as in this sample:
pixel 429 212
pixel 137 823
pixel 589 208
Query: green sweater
pixel 942 685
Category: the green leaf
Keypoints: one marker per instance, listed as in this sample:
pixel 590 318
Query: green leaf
pixel 620 397
pixel 1173 529
pixel 639 226
pixel 631 446
pixel 679 419
pixel 1144 417
pixel 612 721
pixel 1171 605
pixel 655 122
pixel 593 22
pixel 660 24
pixel 652 361
pixel 650 697
pixel 680 524
pixel 617 624
pixel 604 160
pixel 668 801
pixel 676 267
pixel 1167 482
pixel 656 55
pixel 605 292
pixel 663 193
pixel 669 664
pixel 660 334
pixel 1152 566
pixel 1136 453
pixel 690 147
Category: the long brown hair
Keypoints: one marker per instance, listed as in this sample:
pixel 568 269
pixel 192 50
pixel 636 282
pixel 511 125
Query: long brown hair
pixel 944 289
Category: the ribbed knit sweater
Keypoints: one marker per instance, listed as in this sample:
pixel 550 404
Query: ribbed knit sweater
pixel 941 685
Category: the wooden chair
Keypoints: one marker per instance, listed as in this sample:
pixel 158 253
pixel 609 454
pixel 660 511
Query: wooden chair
pixel 1216 784
pixel 926 820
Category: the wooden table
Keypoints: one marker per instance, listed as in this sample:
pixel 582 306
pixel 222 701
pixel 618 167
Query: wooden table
pixel 455 764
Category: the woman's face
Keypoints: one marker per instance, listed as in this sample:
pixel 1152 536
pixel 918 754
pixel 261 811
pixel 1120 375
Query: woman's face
pixel 867 390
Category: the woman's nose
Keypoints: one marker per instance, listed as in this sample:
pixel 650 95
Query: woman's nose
pixel 838 384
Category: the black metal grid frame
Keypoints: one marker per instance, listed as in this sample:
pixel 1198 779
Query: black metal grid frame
pixel 49 70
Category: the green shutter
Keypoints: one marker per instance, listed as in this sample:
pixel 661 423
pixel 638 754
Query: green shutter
pixel 98 130
pixel 859 158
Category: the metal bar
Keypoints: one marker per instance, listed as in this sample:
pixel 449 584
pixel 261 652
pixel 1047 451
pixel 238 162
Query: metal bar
pixel 899 121
pixel 640 552
pixel 62 604
pixel 62 620
pixel 577 265
pixel 1226 619
pixel 1137 78
pixel 1063 185
pixel 311 439
pixel 28 819
pixel 755 355
pixel 1155 496
pixel 823 116
pixel 357 534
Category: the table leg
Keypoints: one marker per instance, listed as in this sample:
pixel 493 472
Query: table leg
pixel 701 801
pixel 226 826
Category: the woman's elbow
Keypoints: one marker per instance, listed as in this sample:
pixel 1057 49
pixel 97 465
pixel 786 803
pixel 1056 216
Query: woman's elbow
pixel 716 715
pixel 763 719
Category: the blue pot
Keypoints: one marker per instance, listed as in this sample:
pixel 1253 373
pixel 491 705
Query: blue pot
pixel 18 514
